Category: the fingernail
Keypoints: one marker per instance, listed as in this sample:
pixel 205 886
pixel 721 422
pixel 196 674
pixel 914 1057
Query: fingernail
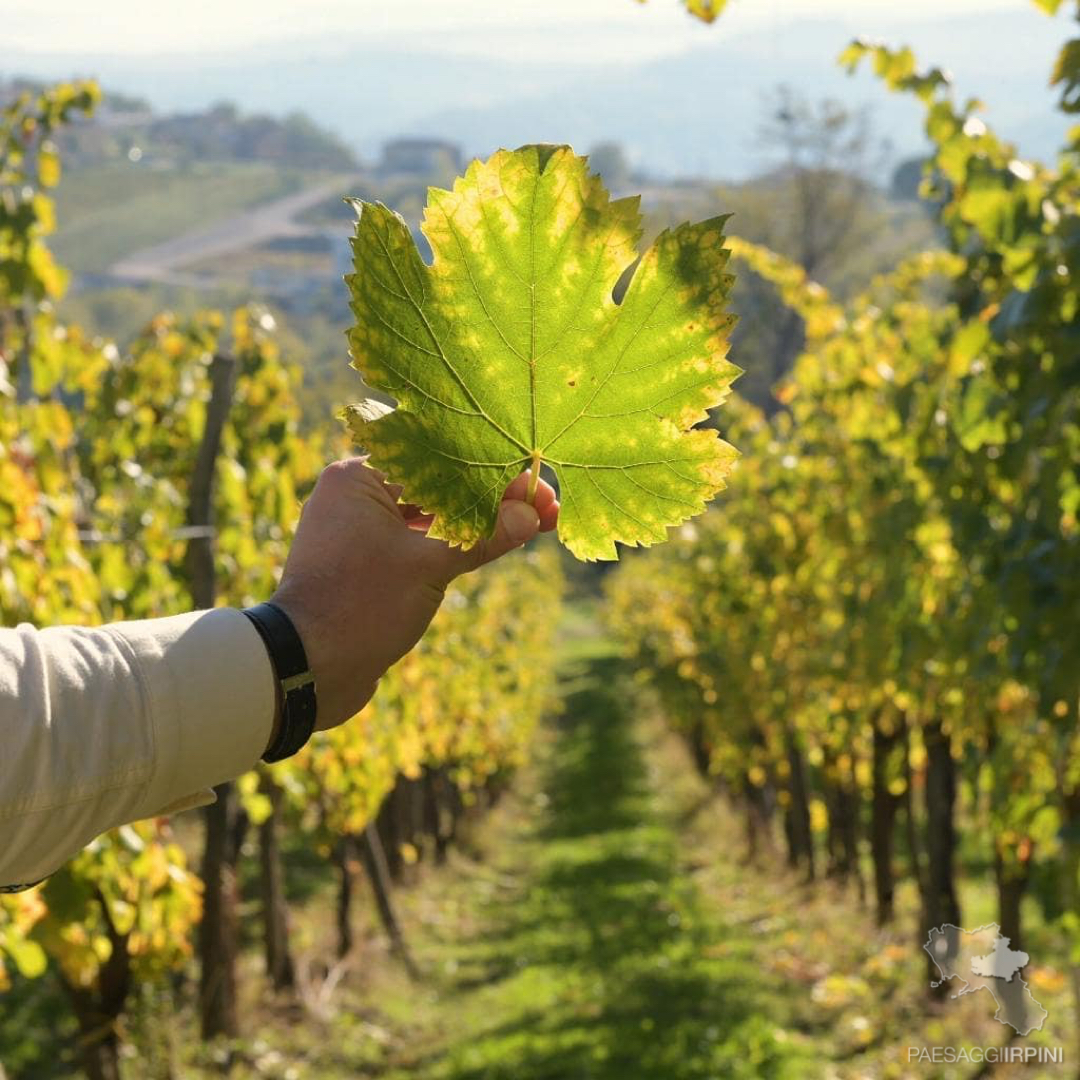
pixel 519 520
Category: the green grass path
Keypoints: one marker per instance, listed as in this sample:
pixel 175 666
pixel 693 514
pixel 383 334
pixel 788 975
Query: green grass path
pixel 592 953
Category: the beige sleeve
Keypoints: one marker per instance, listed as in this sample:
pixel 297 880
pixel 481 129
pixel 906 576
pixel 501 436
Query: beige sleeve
pixel 105 726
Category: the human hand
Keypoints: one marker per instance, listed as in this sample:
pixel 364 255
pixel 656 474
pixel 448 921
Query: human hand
pixel 363 581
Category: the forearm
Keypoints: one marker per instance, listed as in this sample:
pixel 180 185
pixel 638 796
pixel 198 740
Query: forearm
pixel 100 727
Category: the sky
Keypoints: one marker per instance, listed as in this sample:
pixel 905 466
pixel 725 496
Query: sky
pixel 682 97
pixel 613 31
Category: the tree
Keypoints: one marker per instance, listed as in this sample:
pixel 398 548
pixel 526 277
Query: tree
pixel 818 204
pixel 610 161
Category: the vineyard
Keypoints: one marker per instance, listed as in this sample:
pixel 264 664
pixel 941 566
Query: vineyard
pixel 690 816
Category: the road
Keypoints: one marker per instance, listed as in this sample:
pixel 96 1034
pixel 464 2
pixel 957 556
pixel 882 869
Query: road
pixel 165 263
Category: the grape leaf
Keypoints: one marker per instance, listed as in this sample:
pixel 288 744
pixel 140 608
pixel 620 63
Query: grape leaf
pixel 509 352
pixel 710 10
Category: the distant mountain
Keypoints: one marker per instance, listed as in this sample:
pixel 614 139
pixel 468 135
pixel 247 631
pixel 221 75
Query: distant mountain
pixel 698 114
pixel 366 95
pixel 692 114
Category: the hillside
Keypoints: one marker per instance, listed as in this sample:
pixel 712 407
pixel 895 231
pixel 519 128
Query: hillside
pixel 108 210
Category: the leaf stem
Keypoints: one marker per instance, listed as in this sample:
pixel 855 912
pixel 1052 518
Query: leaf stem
pixel 534 478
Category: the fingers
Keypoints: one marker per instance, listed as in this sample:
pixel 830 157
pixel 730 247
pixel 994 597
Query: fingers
pixel 519 489
pixel 545 502
pixel 355 468
pixel 547 505
pixel 549 509
pixel 356 477
pixel 416 520
pixel 517 524
pixel 349 475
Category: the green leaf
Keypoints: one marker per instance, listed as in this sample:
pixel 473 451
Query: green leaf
pixel 981 420
pixel 990 207
pixel 509 352
pixel 851 56
pixel 1066 74
pixel 705 10
pixel 967 344
pixel 48 165
pixel 28 956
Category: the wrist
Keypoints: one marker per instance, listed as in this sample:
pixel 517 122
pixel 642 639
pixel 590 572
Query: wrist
pixel 345 685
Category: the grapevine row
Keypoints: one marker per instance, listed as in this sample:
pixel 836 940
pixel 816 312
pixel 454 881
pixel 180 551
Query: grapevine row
pixel 878 620
pixel 99 452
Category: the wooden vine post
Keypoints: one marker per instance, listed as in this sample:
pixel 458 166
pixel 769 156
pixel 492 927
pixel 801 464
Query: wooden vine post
pixel 219 928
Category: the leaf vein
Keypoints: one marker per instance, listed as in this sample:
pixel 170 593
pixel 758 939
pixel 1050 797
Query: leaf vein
pixel 438 344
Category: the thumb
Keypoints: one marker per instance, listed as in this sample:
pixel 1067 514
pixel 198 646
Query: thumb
pixel 517 524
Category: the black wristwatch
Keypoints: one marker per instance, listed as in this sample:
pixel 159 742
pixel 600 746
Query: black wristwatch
pixel 290 664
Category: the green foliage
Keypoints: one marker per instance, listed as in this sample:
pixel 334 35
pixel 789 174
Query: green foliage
pixel 1015 407
pixel 29 166
pixel 509 352
pixel 1066 70
pixel 898 554
pixel 128 890
pixel 817 204
pixel 897 68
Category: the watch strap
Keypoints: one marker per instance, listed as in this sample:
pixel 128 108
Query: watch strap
pixel 294 677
